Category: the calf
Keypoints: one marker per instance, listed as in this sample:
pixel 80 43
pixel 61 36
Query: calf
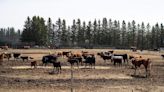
pixel 145 62
pixel 24 58
pixel 16 55
pixel 57 65
pixel 33 64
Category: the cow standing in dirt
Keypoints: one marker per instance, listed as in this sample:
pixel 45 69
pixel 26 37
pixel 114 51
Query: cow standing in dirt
pixel 90 60
pixel 137 62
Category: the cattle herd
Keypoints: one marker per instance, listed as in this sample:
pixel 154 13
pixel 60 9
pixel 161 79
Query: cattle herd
pixel 85 59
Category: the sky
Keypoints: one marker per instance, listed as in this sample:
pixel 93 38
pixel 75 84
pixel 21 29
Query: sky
pixel 13 13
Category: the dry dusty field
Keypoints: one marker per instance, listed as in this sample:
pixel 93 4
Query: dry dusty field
pixel 18 76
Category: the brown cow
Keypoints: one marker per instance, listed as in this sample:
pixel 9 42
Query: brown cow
pixel 137 62
pixel 33 64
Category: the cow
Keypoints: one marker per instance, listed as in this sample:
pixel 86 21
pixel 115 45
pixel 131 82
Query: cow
pixel 57 66
pixel 105 56
pixel 86 54
pixel 49 59
pixel 90 60
pixel 162 56
pixel 24 58
pixel 117 59
pixel 8 56
pixel 73 60
pixel 16 55
pixel 33 64
pixel 125 57
pixel 137 62
pixel 111 51
pixel 65 53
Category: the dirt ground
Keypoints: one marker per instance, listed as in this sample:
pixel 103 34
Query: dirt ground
pixel 18 76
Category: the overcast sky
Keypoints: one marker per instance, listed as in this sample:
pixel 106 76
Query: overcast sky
pixel 13 13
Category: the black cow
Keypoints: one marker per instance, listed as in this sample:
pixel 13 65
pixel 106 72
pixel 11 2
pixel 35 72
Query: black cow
pixel 49 59
pixel 33 64
pixel 24 58
pixel 106 57
pixel 73 60
pixel 90 60
pixel 125 57
pixel 57 65
pixel 162 56
pixel 16 55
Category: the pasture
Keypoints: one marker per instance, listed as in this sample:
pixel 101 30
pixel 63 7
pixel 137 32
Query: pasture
pixel 18 76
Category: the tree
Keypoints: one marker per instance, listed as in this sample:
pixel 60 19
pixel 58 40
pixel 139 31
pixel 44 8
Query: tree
pixel 64 33
pixel 148 37
pixel 27 31
pixel 133 40
pixel 162 35
pixel 80 33
pixel 95 32
pixel 58 32
pixel 123 36
pixel 50 31
pixel 35 31
pixel 74 33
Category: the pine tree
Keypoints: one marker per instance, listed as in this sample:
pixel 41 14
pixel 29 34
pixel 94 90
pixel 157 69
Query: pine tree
pixel 123 36
pixel 64 33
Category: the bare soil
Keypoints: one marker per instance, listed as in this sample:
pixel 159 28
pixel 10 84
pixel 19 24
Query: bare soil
pixel 18 76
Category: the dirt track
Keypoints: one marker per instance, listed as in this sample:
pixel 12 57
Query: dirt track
pixel 17 76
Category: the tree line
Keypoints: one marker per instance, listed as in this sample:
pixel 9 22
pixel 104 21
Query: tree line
pixel 9 36
pixel 97 33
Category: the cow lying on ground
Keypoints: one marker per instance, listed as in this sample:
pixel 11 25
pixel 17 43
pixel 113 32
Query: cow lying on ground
pixel 137 62
pixel 90 60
